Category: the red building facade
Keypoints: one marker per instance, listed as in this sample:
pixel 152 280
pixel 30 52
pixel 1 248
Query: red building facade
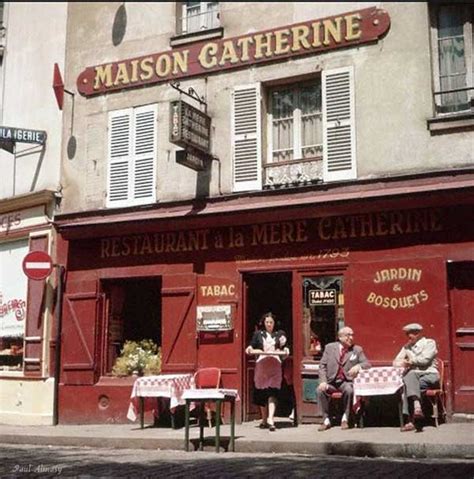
pixel 373 256
pixel 302 159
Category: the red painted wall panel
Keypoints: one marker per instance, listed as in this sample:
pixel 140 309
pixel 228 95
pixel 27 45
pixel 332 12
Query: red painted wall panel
pixel 390 280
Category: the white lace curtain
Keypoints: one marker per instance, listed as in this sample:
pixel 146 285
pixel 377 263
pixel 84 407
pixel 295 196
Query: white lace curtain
pixel 296 122
pixel 452 61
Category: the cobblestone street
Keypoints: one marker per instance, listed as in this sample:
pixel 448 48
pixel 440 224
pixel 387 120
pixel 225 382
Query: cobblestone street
pixel 38 461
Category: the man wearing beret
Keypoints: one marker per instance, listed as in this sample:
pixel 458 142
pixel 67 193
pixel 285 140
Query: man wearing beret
pixel 418 357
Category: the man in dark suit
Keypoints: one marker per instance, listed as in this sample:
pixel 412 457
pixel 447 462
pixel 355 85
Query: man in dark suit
pixel 340 364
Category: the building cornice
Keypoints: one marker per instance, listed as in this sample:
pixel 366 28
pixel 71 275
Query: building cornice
pixel 377 194
pixel 28 200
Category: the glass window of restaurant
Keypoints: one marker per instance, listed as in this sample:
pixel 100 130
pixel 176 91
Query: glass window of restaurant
pixel 323 312
pixel 13 293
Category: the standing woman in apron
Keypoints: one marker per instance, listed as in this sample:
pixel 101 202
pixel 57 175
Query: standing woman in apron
pixel 269 346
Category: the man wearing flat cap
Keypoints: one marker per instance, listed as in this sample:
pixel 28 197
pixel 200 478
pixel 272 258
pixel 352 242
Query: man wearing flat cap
pixel 418 357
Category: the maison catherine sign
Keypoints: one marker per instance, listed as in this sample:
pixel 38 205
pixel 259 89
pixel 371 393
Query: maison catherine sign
pixel 305 38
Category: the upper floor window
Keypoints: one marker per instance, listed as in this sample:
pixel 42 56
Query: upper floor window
pixel 198 16
pixel 309 131
pixel 295 122
pixel 452 60
pixel 131 169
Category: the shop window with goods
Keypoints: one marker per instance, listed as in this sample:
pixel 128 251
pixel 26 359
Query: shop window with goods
pixel 323 312
pixel 13 293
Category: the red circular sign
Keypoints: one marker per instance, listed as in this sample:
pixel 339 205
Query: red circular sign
pixel 37 265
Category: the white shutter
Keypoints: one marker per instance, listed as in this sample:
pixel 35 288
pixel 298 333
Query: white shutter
pixel 339 142
pixel 246 138
pixel 144 154
pixel 120 158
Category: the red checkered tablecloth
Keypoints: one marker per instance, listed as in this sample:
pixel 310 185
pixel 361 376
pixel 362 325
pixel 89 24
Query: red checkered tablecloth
pixel 165 385
pixel 378 381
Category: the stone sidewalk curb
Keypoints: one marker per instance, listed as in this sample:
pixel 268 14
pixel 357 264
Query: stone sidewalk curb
pixel 341 448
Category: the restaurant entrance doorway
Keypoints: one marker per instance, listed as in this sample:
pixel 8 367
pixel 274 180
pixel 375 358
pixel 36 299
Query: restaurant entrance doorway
pixel 266 292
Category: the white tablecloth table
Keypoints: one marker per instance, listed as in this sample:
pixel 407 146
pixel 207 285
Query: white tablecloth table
pixel 379 381
pixel 169 386
pixel 218 396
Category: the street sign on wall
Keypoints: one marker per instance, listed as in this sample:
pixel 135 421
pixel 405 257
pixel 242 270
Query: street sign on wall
pixel 22 135
pixel 37 265
pixel 189 127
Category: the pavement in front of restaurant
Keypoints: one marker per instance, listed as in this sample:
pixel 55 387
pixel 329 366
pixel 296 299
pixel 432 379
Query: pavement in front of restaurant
pixel 450 440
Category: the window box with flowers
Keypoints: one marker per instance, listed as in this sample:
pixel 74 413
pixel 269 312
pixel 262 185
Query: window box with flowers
pixel 142 358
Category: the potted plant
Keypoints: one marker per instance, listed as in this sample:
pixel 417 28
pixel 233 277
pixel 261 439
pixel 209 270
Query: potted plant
pixel 138 358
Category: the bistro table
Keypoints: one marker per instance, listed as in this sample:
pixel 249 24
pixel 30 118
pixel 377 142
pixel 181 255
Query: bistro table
pixel 218 396
pixel 169 386
pixel 378 381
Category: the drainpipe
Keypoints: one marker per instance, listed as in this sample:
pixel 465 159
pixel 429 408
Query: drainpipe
pixel 57 349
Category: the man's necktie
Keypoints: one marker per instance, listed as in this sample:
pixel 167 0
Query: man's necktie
pixel 342 357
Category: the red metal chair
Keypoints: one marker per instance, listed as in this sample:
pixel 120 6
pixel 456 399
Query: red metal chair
pixel 437 396
pixel 208 378
pixel 335 403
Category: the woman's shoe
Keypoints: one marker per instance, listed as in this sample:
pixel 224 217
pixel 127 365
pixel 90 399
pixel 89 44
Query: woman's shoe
pixel 408 427
pixel 418 413
pixel 272 427
pixel 263 425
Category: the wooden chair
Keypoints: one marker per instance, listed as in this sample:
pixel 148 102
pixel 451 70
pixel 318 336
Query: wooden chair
pixel 335 406
pixel 437 396
pixel 208 378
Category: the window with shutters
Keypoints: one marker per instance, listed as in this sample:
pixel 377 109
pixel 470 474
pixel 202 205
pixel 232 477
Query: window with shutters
pixel 452 48
pixel 133 313
pixel 294 134
pixel 246 138
pixel 309 129
pixel 132 156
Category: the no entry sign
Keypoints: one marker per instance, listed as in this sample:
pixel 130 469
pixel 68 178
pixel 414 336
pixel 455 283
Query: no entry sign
pixel 37 265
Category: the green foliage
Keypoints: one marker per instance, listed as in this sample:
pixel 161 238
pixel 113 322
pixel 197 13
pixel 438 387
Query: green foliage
pixel 142 358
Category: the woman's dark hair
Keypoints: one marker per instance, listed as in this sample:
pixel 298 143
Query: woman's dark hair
pixel 261 322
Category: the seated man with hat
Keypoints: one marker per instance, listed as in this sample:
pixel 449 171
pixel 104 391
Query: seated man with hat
pixel 418 357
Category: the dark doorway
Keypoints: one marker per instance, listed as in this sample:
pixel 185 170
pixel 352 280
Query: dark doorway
pixel 461 298
pixel 267 292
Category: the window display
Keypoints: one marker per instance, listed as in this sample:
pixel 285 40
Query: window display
pixel 323 312
pixel 13 290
